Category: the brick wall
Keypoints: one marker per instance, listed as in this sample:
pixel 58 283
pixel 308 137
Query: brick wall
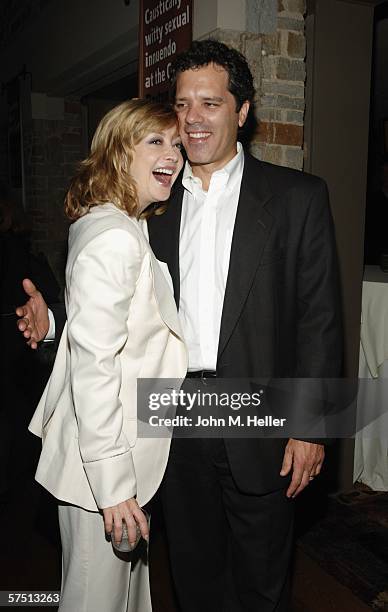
pixel 277 62
pixel 52 148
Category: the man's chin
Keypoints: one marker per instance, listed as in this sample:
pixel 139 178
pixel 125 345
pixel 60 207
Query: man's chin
pixel 198 158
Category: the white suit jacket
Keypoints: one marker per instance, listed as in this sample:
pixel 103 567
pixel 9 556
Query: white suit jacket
pixel 122 324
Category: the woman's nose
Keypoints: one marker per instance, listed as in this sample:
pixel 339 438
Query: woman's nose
pixel 172 153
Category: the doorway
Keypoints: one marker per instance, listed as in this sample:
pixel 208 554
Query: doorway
pixel 339 37
pixel 98 102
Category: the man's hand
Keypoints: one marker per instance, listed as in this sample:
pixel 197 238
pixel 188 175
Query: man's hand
pixel 34 321
pixel 130 513
pixel 305 458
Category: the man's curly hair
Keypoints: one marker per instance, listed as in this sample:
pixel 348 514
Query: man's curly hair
pixel 204 52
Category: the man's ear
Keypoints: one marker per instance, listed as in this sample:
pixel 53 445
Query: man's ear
pixel 243 113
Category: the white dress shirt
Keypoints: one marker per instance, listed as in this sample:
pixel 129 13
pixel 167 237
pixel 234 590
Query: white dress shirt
pixel 51 332
pixel 206 232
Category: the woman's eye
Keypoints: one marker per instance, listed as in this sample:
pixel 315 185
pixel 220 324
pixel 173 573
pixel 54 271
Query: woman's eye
pixel 179 146
pixel 155 141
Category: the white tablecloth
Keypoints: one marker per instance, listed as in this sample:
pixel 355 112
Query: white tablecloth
pixel 371 453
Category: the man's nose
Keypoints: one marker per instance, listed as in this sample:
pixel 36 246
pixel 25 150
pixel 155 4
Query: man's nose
pixel 193 115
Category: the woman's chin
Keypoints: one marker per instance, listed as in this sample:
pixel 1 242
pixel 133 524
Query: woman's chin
pixel 165 195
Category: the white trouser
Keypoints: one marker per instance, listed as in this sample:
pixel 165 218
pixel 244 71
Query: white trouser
pixel 94 577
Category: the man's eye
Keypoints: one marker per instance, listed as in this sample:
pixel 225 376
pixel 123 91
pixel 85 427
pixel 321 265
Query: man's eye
pixel 179 105
pixel 211 104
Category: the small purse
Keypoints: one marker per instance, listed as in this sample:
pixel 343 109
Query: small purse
pixel 124 545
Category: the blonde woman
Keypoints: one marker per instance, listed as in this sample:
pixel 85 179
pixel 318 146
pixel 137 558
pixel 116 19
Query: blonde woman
pixel 121 324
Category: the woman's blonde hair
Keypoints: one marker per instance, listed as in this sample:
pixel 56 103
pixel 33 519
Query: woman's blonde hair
pixel 105 176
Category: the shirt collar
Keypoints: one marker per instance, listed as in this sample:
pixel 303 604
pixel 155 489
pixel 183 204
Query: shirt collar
pixel 230 173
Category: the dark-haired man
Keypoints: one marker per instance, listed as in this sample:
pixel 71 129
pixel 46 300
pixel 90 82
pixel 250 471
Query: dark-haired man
pixel 251 252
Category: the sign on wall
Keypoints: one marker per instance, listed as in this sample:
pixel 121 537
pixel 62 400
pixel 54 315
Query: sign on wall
pixel 165 30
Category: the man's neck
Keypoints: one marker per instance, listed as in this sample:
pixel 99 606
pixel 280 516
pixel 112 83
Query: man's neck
pixel 204 171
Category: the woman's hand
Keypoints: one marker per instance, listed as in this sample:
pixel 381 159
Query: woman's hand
pixel 130 512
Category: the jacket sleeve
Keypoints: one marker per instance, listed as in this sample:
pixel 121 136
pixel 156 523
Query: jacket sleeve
pixel 47 350
pixel 320 338
pixel 59 313
pixel 100 291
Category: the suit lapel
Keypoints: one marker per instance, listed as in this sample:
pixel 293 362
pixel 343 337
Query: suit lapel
pixel 164 233
pixel 252 228
pixel 173 263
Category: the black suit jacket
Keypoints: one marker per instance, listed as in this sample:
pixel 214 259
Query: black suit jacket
pixel 281 315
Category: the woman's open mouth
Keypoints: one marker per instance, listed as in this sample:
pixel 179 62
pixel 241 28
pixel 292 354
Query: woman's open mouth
pixel 163 176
